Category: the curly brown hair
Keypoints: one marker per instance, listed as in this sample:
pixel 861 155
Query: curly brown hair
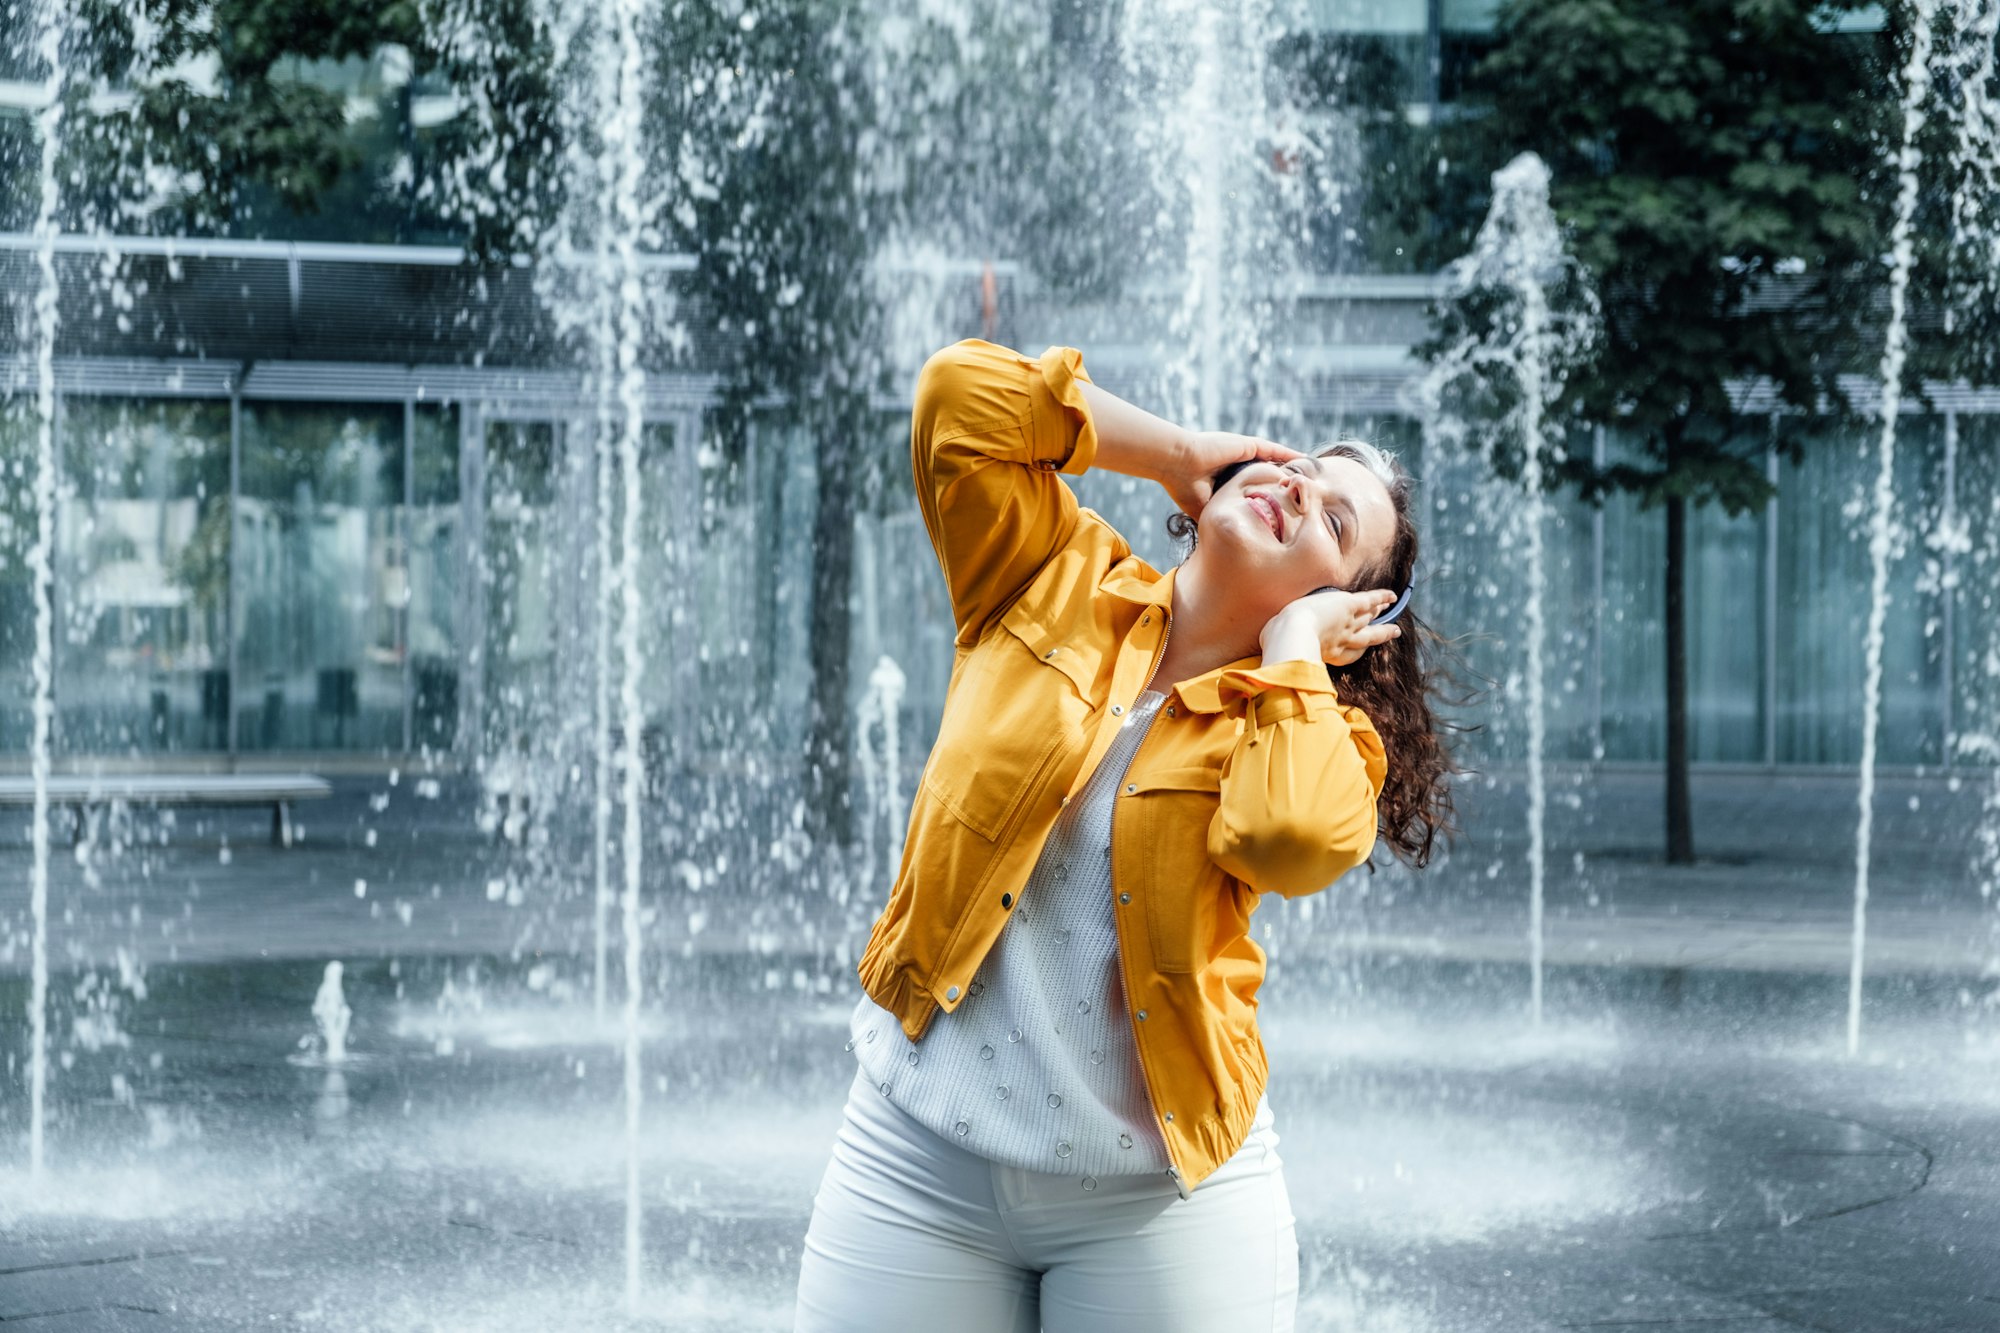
pixel 1396 683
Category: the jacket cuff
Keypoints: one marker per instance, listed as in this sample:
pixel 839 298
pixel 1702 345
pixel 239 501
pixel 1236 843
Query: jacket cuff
pixel 1280 689
pixel 1064 436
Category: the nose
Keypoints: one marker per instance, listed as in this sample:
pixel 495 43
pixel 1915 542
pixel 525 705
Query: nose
pixel 1295 491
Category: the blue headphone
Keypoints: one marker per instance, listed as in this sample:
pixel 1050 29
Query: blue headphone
pixel 1389 617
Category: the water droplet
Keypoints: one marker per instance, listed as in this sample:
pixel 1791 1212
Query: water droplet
pixel 961 1129
pixel 913 1059
pixel 986 1052
pixel 849 1046
pixel 1062 937
pixel 871 1034
pixel 1055 1101
pixel 885 1089
pixel 1124 1140
pixel 1001 1092
pixel 1063 1148
pixel 1097 1057
pixel 1015 1035
pixel 1090 1182
pixel 978 987
pixel 1083 1006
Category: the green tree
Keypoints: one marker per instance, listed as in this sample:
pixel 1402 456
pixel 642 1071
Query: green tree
pixel 1717 166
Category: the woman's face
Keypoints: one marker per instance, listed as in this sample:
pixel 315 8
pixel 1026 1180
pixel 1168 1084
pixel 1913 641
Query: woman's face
pixel 1277 531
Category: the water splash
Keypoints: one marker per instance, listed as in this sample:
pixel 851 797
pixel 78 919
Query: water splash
pixel 1516 362
pixel 332 1016
pixel 1969 69
pixel 48 47
pixel 1881 517
pixel 1232 191
pixel 881 707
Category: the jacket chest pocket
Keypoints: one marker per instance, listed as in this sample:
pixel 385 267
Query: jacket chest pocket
pixel 1191 908
pixel 1016 711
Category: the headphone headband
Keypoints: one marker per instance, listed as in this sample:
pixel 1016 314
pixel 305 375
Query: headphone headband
pixel 1389 617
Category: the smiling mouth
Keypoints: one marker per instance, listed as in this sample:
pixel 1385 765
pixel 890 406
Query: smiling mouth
pixel 1268 511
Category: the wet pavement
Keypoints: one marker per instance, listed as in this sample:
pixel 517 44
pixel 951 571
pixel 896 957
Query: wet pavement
pixel 1682 1142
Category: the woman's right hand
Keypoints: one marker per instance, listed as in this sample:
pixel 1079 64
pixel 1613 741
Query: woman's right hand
pixel 1188 475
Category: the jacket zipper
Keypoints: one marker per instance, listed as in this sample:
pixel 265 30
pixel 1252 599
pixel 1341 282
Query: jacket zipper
pixel 1118 936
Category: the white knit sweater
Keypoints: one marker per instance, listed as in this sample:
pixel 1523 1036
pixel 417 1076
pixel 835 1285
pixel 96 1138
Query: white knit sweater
pixel 1038 1069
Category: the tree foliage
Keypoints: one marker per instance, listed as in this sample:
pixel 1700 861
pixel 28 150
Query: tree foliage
pixel 1717 167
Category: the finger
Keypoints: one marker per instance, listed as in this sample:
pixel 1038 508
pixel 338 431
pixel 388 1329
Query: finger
pixel 1272 452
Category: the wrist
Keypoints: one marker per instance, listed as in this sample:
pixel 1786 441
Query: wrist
pixel 1290 636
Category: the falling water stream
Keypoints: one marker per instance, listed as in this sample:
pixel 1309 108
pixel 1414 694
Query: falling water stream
pixel 1881 532
pixel 1519 251
pixel 625 149
pixel 1533 372
pixel 41 563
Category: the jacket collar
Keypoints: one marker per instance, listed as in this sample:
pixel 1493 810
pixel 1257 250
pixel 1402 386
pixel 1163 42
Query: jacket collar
pixel 1137 582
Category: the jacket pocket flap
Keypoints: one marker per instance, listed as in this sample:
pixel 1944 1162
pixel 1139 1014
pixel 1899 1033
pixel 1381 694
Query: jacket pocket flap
pixel 1178 779
pixel 1075 656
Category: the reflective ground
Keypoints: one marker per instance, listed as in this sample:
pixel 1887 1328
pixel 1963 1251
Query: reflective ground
pixel 1682 1143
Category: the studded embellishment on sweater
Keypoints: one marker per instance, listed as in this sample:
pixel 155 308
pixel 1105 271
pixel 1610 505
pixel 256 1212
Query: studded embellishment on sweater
pixel 1036 1067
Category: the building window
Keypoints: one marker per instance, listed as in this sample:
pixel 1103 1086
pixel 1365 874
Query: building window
pixel 142 576
pixel 321 577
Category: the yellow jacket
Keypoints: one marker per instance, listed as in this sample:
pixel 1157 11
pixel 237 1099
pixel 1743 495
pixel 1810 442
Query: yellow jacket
pixel 1252 779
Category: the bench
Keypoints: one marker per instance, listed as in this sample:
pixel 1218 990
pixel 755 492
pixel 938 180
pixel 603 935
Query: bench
pixel 277 790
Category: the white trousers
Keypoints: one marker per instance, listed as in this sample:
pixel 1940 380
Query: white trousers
pixel 910 1232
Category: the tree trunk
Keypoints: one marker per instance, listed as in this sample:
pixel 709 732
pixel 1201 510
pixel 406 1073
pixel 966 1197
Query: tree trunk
pixel 830 742
pixel 1680 820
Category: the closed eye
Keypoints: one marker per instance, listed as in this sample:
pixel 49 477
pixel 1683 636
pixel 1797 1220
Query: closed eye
pixel 1312 466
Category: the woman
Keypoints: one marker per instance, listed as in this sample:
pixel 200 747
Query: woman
pixel 1059 1119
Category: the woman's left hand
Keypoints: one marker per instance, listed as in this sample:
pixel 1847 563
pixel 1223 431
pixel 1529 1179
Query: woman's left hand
pixel 1330 626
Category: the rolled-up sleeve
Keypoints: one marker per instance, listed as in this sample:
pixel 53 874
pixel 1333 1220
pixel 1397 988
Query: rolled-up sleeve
pixel 1299 789
pixel 989 432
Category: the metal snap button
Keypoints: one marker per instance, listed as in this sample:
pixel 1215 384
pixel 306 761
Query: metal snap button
pixel 1090 1182
pixel 951 993
pixel 1131 789
pixel 1142 1015
pixel 1117 710
pixel 1124 897
pixel 1170 1117
pixel 1006 900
